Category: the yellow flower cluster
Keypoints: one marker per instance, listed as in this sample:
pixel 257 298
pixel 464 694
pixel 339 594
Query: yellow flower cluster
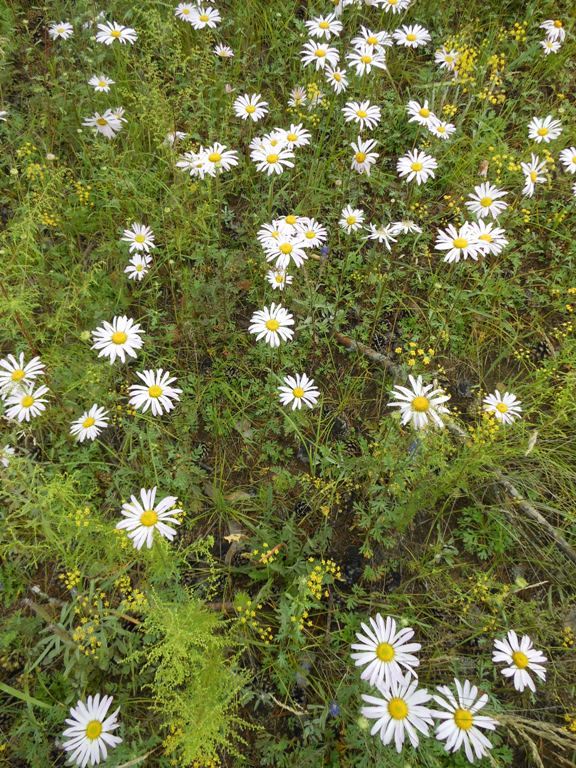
pixel 83 192
pixel 414 353
pixel 449 110
pixel 518 32
pixel 568 637
pixel 247 615
pixel 322 574
pixel 493 91
pixel 80 517
pixel 133 599
pixel 70 579
pixel 49 219
pixel 268 554
pixel 485 432
pixel 454 206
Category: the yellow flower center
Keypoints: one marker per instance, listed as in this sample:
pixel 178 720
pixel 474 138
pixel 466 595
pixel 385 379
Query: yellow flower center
pixel 250 109
pixel 520 659
pixel 139 238
pixel 215 157
pixel 463 719
pixel 502 407
pixel 460 242
pixel 558 24
pixel 486 202
pixel 487 238
pixel 441 129
pixel 350 220
pixel 204 17
pixel 272 324
pixel 93 729
pixel 449 59
pixel 420 404
pixel 337 76
pixel 185 11
pixel 60 30
pixel 272 159
pixel 365 59
pixel 324 25
pixel 291 219
pixel 102 83
pixel 101 121
pixel 119 337
pixel 154 390
pixel 392 2
pixel 18 374
pixel 360 157
pixel 411 37
pixel 89 422
pixel 149 518
pixel 385 652
pixel 115 33
pixel 574 159
pixel 533 176
pixel 139 267
pixel 27 401
pixel 292 137
pixel 372 39
pixel 279 279
pixel 362 113
pixel 397 709
pixel 424 112
pixel 542 131
pixel 320 52
pixel 416 166
pixel 309 235
pixel 298 392
pixel 285 248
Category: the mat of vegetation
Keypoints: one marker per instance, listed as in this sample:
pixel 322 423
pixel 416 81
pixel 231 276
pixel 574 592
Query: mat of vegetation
pixel 287 383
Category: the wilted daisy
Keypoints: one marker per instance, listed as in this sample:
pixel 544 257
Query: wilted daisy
pixel 223 51
pixel 108 124
pixel 550 46
pixel 405 227
pixel 324 26
pixel 278 279
pixel 420 405
pixel 367 37
pixel 15 374
pixel 411 36
pixel 312 231
pixel 90 424
pixel 416 165
pixel 218 159
pixel 534 173
pixel 3 115
pixel 400 711
pixel 490 238
pixel 459 243
pixel 441 129
pixel 506 408
pixel 568 159
pixel 363 113
pixel 101 83
pixel 26 404
pixel 140 237
pixel 205 17
pixel 145 516
pixel 272 325
pixel 520 656
pixel 250 106
pixel 554 29
pixel 381 235
pixel 420 113
pixel 462 723
pixel 138 266
pixel 156 392
pixel 544 130
pixel 119 338
pixel 366 57
pixel 184 11
pixel 294 137
pixel 61 29
pixel 89 733
pixel 486 200
pixel 364 158
pixel 194 162
pixel 6 454
pixel 270 159
pixel 299 389
pixel 385 651
pixel 319 54
pixel 395 6
pixel 446 58
pixel 111 31
pixel 351 219
pixel 336 78
pixel 298 97
pixel 173 137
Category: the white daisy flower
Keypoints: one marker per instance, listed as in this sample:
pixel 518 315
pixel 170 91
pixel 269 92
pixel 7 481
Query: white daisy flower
pixel 319 54
pixel 140 237
pixel 89 733
pixel 399 712
pixel 101 83
pixel 26 404
pixel 385 651
pixel 395 6
pixel 491 238
pixel 145 517
pixel 336 78
pixel 90 424
pixel 405 227
pixel 250 106
pixel 420 405
pixel 312 231
pixel 138 266
pixel 550 46
pixel 299 389
pixel 108 124
pixel 506 408
pixel 295 137
pixel 441 129
pixel 15 374
pixel 62 29
pixel 269 234
pixel 416 165
pixel 185 11
pixel 173 137
pixel 366 57
pixel 459 243
pixel 446 58
pixel 420 113
pixel 279 279
pixel 205 17
pixel 111 31
pixel 486 201
pixel 462 723
pixel 534 173
pixel 223 51
pixel 195 163
pixel 290 245
pixel 156 392
pixel 381 235
pixel 6 454
pixel 351 219
pixel 364 158
pixel 554 29
pixel 367 37
pixel 363 113
pixel 272 325
pixel 545 130
pixel 324 26
pixel 568 159
pixel 520 657
pixel 218 159
pixel 119 338
pixel 271 159
pixel 411 36
pixel 3 116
